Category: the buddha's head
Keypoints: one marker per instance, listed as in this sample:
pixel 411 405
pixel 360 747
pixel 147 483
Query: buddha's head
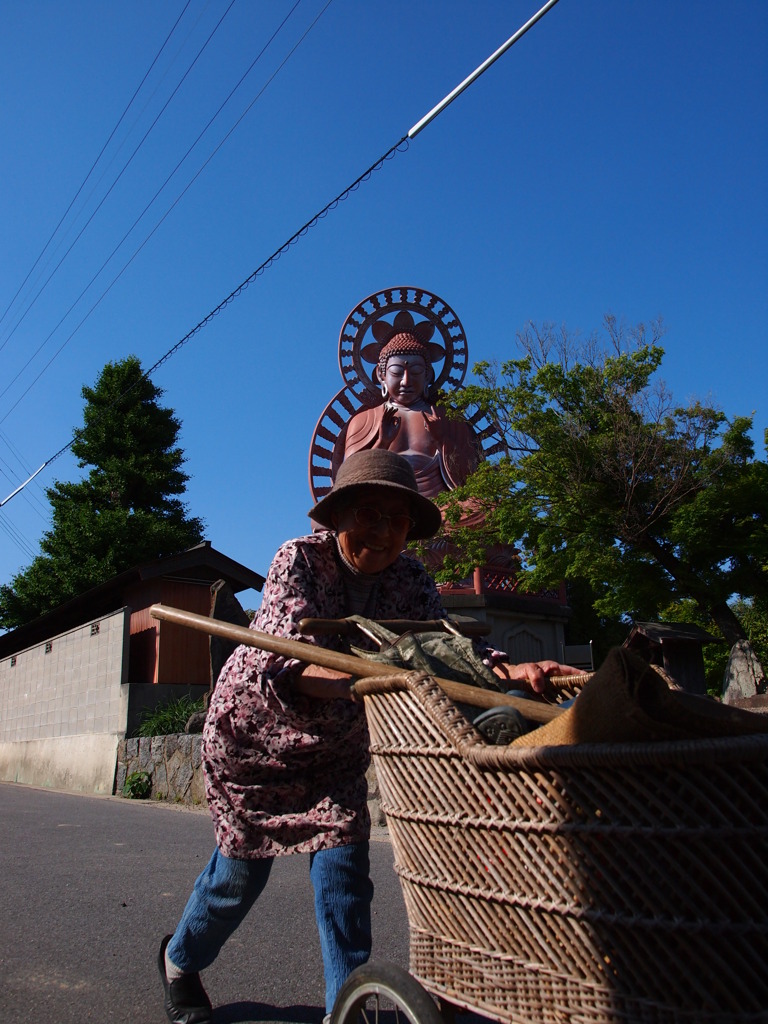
pixel 404 357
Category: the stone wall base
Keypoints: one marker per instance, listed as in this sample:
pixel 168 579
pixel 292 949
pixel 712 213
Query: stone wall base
pixel 174 765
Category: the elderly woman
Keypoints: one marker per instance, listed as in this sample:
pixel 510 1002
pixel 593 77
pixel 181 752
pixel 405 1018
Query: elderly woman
pixel 285 745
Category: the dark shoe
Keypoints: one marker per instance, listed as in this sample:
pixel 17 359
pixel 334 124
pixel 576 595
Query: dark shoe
pixel 501 725
pixel 186 1001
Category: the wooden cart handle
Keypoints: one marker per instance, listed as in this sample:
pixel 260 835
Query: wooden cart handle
pixel 347 627
pixel 311 654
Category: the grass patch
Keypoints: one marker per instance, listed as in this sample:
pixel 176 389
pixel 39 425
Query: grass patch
pixel 169 718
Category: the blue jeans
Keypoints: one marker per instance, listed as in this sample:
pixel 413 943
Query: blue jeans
pixel 227 889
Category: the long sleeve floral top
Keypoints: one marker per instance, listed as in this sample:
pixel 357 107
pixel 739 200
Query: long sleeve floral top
pixel 285 773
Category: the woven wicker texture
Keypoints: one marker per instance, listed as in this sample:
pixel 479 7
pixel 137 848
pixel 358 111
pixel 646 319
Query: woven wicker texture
pixel 587 884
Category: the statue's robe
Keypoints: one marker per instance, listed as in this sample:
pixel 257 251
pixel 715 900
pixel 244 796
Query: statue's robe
pixel 454 456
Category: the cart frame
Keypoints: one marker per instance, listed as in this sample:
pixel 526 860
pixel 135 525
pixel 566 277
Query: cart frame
pixel 589 884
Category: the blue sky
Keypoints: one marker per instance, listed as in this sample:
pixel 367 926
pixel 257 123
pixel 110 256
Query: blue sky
pixel 614 160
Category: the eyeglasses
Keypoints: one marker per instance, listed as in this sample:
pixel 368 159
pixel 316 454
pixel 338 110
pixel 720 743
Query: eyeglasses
pixel 367 516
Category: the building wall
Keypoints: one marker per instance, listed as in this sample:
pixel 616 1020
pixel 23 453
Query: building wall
pixel 525 636
pixel 183 655
pixel 64 705
pixel 530 639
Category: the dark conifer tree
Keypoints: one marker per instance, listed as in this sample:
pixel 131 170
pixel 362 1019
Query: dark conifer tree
pixel 126 511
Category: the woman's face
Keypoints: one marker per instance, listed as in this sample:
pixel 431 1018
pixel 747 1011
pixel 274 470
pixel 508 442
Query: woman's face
pixel 370 546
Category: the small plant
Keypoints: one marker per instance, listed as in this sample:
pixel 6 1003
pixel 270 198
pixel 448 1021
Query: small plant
pixel 138 785
pixel 169 718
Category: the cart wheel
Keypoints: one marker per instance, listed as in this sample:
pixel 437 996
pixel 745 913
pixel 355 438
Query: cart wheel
pixel 383 993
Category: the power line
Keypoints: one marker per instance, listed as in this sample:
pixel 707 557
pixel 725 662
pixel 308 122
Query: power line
pixel 127 135
pixel 455 93
pixel 30 498
pixel 241 287
pixel 145 107
pixel 33 475
pixel 33 500
pixel 90 172
pixel 400 146
pixel 119 245
pixel 113 185
pixel 18 538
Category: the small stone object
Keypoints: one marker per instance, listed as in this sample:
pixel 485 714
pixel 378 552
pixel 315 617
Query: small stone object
pixel 744 675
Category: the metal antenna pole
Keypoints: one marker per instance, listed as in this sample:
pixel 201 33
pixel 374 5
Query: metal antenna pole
pixel 22 486
pixel 478 71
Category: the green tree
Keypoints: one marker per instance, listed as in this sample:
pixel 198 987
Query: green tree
pixel 607 482
pixel 606 631
pixel 128 509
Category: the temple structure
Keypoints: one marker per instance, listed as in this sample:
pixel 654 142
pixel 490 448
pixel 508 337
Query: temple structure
pixel 402 352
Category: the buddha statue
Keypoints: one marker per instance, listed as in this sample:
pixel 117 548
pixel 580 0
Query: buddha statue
pixel 408 420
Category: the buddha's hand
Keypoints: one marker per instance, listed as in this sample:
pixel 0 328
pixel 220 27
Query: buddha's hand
pixel 435 424
pixel 390 426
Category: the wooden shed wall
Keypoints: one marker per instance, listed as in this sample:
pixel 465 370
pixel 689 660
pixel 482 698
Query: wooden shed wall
pixel 162 652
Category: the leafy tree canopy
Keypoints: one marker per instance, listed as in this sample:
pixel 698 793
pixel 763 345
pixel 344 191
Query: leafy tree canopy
pixel 126 511
pixel 606 481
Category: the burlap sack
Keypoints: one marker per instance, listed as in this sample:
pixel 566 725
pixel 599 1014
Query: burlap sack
pixel 627 700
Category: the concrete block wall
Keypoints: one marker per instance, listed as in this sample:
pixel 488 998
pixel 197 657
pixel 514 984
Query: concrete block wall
pixel 64 709
pixel 64 705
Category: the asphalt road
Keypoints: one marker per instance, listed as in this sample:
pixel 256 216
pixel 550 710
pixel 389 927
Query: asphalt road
pixel 89 885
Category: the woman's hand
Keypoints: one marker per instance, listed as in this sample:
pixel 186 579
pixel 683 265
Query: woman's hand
pixel 325 683
pixel 533 673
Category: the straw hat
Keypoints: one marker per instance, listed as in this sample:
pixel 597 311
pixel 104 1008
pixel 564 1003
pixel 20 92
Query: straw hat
pixel 378 467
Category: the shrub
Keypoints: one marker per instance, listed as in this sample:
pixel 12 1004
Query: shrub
pixel 138 785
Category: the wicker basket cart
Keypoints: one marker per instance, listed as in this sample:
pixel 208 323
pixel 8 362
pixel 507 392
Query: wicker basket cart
pixel 587 883
pixel 620 883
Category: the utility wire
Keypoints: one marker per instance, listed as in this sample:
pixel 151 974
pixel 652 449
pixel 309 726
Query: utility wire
pixel 117 152
pixel 210 157
pixel 32 498
pixel 119 245
pixel 114 183
pixel 139 115
pixel 240 288
pixel 440 107
pixel 18 538
pixel 400 146
pixel 90 172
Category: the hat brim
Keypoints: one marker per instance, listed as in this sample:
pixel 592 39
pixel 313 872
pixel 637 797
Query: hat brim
pixel 427 515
